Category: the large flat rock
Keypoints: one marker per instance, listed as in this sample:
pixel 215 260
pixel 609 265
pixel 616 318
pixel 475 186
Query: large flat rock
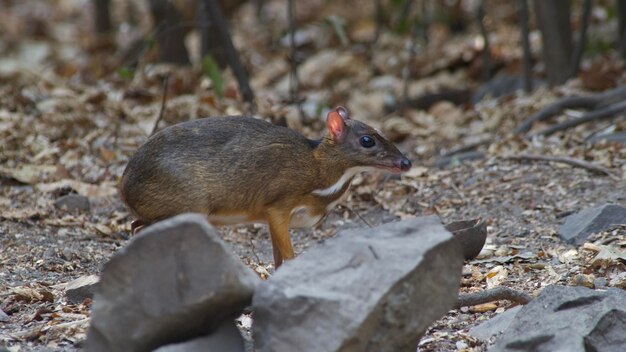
pixel 573 319
pixel 175 281
pixel 364 290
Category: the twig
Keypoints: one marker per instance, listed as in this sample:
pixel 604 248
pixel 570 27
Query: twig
pixel 217 18
pixel 483 32
pixel 527 57
pixel 380 19
pixel 166 82
pixel 253 249
pixel 564 160
pixel 424 102
pixel 408 68
pixel 494 294
pixel 582 39
pixel 354 212
pixel 468 147
pixel 606 113
pixel 294 82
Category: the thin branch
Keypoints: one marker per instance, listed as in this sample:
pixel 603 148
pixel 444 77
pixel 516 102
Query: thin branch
pixel 424 102
pixel 380 19
pixel 217 18
pixel 483 32
pixel 408 68
pixel 354 212
pixel 294 81
pixel 564 160
pixel 527 57
pixel 495 294
pixel 166 82
pixel 253 249
pixel 582 39
pixel 468 147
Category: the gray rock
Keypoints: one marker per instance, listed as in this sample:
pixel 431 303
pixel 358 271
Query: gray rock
pixel 567 319
pixel 226 338
pixel 3 316
pixel 78 290
pixel 609 335
pixel 364 290
pixel 174 281
pixel 72 203
pixel 494 326
pixel 578 227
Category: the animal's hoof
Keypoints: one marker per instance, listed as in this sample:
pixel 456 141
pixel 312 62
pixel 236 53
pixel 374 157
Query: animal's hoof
pixel 136 226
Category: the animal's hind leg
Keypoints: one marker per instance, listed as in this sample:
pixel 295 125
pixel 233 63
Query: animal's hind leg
pixel 137 225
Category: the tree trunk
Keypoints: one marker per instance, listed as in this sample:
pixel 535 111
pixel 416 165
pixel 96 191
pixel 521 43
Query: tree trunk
pixel 620 7
pixel 210 39
pixel 102 16
pixel 554 22
pixel 170 33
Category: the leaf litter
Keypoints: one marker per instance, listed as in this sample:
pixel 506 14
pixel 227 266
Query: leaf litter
pixel 70 119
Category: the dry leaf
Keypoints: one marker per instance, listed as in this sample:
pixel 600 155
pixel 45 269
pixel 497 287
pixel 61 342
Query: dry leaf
pixel 496 276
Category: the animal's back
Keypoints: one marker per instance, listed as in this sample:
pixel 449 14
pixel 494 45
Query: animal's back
pixel 215 165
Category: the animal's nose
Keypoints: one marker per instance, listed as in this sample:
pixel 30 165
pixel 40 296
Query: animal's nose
pixel 405 164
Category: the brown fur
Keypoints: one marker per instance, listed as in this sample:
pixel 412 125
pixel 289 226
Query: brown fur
pixel 241 165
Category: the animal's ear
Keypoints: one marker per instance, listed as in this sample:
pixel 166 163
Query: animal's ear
pixel 336 124
pixel 343 112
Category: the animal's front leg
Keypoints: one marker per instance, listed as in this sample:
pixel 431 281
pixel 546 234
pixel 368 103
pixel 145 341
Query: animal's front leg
pixel 279 231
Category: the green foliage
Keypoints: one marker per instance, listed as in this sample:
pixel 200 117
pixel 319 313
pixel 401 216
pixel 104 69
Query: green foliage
pixel 598 46
pixel 212 70
pixel 126 72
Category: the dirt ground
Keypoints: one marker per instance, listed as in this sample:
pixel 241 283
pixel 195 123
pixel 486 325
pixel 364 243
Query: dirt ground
pixel 70 119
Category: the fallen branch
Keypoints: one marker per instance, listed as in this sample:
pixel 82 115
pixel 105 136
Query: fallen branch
pixel 605 99
pixel 166 82
pixel 495 294
pixel 468 147
pixel 608 112
pixel 565 160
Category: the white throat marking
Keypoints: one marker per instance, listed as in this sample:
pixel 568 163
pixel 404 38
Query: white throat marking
pixel 337 186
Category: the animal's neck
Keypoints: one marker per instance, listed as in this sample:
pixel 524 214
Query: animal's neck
pixel 335 171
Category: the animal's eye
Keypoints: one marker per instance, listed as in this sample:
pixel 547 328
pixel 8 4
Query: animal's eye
pixel 367 141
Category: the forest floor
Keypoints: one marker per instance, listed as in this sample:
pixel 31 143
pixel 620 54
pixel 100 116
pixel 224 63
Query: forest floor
pixel 70 117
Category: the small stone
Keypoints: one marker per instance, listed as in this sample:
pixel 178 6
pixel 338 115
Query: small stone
pixel 67 254
pixel 73 203
pixel 600 282
pixel 583 280
pixel 4 317
pixel 578 227
pixel 461 345
pixel 49 253
pixel 78 290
